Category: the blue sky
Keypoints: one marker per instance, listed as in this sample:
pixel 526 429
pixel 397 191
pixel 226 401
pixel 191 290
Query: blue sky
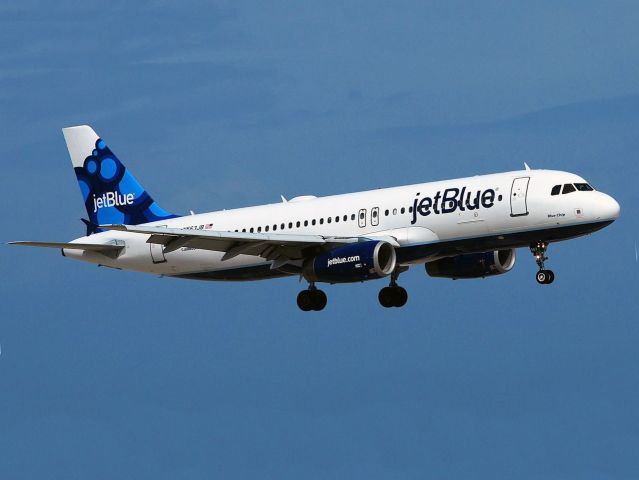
pixel 111 374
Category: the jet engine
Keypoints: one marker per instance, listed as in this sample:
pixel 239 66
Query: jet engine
pixel 473 265
pixel 354 262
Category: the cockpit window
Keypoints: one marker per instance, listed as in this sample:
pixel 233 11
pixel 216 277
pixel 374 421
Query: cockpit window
pixel 568 188
pixel 583 187
pixel 555 190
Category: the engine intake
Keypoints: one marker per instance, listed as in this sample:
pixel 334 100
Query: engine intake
pixel 354 262
pixel 473 265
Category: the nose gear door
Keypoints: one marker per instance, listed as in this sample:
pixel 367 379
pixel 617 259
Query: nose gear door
pixel 518 193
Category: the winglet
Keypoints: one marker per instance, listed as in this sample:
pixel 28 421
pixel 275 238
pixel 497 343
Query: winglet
pixel 526 165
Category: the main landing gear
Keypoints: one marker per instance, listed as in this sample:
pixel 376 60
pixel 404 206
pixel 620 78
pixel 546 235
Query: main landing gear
pixel 393 295
pixel 311 299
pixel 543 277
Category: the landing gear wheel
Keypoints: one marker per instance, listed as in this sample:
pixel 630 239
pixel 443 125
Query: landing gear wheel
pixel 305 300
pixel 401 297
pixel 542 277
pixel 385 297
pixel 545 277
pixel 551 277
pixel 319 300
pixel 393 296
pixel 311 299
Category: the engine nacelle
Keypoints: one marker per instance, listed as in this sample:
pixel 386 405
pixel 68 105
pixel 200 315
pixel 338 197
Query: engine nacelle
pixel 354 262
pixel 473 265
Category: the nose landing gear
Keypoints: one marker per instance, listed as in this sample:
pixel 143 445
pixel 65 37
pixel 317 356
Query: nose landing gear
pixel 543 277
pixel 311 299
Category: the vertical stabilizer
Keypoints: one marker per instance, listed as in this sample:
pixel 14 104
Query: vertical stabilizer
pixel 110 192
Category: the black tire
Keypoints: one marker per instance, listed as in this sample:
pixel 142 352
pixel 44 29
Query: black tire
pixel 386 297
pixel 551 277
pixel 319 300
pixel 401 296
pixel 305 300
pixel 542 277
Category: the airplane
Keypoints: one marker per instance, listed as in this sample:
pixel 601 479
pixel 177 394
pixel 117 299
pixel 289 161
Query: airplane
pixel 459 229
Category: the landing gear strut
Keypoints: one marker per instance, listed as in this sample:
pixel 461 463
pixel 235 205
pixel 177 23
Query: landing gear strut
pixel 393 295
pixel 311 299
pixel 543 277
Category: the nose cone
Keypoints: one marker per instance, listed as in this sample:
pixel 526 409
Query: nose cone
pixel 608 208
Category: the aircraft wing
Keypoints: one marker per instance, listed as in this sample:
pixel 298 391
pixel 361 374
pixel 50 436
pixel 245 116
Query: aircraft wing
pixel 281 247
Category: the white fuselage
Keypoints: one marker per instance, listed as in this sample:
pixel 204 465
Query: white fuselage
pixel 510 210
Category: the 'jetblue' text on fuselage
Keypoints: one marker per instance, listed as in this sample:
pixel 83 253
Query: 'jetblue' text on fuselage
pixel 450 200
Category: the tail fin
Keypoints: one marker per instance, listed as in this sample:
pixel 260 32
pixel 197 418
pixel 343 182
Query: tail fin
pixel 111 193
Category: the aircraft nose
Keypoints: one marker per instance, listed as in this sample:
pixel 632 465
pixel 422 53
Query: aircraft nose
pixel 608 207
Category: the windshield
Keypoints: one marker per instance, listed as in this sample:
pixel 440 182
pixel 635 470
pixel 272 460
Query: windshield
pixel 583 187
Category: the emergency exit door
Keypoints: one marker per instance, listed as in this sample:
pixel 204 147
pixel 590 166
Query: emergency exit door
pixel 361 218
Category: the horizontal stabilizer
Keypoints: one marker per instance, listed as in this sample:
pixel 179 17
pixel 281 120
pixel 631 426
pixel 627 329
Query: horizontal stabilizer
pixel 91 247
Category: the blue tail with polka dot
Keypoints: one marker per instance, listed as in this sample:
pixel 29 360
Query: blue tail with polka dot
pixel 111 194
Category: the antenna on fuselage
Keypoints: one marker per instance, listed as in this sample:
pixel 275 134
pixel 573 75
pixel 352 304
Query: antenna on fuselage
pixel 527 167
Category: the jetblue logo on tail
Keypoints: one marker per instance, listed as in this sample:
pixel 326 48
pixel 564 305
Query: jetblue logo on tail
pixel 111 194
pixel 112 199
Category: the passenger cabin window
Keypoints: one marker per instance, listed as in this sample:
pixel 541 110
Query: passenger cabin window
pixel 583 187
pixel 568 188
pixel 555 190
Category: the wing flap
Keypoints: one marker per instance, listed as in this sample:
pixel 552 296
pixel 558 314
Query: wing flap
pixel 284 246
pixel 163 235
